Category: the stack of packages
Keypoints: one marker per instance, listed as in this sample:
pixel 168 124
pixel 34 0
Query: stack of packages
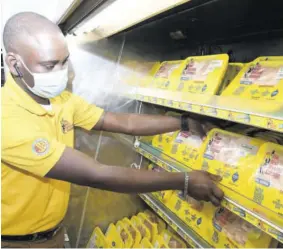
pixel 252 170
pixel 261 79
pixel 144 230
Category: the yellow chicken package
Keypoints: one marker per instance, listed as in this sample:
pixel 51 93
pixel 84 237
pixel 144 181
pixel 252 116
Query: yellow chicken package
pixel 266 182
pixel 231 156
pixel 232 71
pixel 98 240
pixel 202 74
pixel 231 231
pixel 145 243
pixel 139 225
pixel 259 80
pixel 136 235
pixel 185 147
pixel 166 76
pixel 151 226
pixel 144 73
pixel 197 215
pixel 159 242
pixel 173 240
pixel 125 234
pixel 163 141
pixel 269 58
pixel 113 236
pixel 161 225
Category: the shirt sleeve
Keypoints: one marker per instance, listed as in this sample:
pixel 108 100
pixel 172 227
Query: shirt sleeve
pixel 86 115
pixel 31 151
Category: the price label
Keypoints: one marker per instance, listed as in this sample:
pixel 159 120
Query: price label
pixel 160 101
pixel 154 100
pixel 176 104
pixel 170 103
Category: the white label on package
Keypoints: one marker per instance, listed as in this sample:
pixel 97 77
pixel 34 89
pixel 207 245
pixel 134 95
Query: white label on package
pixel 262 76
pixel 229 149
pixel 198 70
pixel 280 74
pixel 166 69
pixel 270 173
pixel 189 139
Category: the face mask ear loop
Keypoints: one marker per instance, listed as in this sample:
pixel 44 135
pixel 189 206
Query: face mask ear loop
pixel 18 71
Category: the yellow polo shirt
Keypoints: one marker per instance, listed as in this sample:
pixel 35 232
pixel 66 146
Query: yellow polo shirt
pixel 33 140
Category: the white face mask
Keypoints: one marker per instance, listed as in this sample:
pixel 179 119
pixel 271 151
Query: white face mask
pixel 48 85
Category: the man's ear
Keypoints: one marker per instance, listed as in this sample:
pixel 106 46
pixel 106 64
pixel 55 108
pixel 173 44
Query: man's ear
pixel 12 63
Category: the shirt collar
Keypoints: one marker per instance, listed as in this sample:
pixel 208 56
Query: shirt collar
pixel 21 98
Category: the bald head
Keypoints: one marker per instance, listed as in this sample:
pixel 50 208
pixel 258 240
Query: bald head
pixel 24 26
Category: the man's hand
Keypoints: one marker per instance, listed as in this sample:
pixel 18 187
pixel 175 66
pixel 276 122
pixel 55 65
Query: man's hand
pixel 202 187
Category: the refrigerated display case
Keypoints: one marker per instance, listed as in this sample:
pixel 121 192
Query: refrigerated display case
pixel 110 72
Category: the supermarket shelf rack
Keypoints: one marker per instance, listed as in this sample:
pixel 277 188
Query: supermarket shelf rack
pixel 172 165
pixel 251 112
pixel 174 222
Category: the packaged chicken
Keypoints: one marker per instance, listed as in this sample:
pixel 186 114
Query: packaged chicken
pixel 232 71
pixel 140 226
pixel 202 74
pixel 144 73
pixel 197 215
pixel 161 225
pixel 98 240
pixel 231 156
pixel 173 240
pixel 135 233
pixel 114 237
pixel 259 80
pixel 269 58
pixel 166 75
pixel 150 225
pixel 125 234
pixel 185 147
pixel 159 242
pixel 145 243
pixel 163 141
pixel 232 230
pixel 266 182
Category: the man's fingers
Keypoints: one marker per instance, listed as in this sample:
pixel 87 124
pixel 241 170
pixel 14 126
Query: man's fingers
pixel 217 192
pixel 216 178
pixel 214 200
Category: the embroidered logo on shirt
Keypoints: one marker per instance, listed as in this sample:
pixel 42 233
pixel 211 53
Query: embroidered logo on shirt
pixel 40 147
pixel 66 126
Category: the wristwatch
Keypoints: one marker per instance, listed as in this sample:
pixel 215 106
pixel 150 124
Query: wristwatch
pixel 184 122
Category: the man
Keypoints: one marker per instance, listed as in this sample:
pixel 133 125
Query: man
pixel 38 159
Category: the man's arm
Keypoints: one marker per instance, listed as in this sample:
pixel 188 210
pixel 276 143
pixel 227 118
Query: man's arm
pixel 143 124
pixel 76 167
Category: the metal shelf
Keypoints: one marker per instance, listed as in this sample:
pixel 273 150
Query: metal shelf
pixel 171 165
pixel 258 113
pixel 175 223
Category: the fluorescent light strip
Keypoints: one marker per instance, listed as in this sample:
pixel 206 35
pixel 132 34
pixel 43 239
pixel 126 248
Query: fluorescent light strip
pixel 122 14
